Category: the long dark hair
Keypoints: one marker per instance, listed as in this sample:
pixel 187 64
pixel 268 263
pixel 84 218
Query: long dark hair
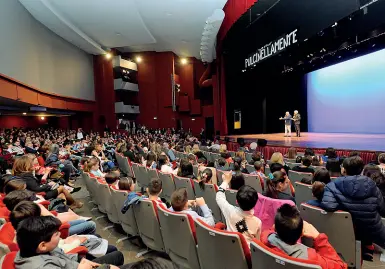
pixel 162 160
pixel 151 157
pixel 205 179
pixel 272 182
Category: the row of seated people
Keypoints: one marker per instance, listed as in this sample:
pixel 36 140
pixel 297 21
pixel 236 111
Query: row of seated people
pixel 318 191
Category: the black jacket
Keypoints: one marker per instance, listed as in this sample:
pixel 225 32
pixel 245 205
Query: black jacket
pixel 33 184
pixel 359 196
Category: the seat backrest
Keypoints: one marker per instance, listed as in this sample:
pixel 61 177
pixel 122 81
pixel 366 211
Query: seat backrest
pixel 264 257
pixel 178 232
pixel 234 250
pixel 250 168
pixel 119 160
pixel 231 196
pixel 102 196
pixel 195 170
pixel 303 192
pixel 184 182
pixel 292 164
pixel 209 194
pixel 142 177
pixel 152 173
pixel 127 220
pixel 168 185
pixel 215 156
pixel 219 176
pixel 135 170
pixel 94 189
pixel 7 261
pixel 146 215
pixel 253 181
pixel 338 226
pixel 105 196
pixel 298 176
pixel 127 166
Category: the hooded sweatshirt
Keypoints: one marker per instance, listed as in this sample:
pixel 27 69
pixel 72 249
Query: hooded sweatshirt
pixel 53 260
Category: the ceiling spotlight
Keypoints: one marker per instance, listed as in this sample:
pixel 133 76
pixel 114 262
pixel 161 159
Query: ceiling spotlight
pixel 138 59
pixel 42 118
pixel 335 24
pixel 373 45
pixel 155 118
pixel 24 113
pixel 108 55
pixel 183 61
pixel 305 40
pixel 192 119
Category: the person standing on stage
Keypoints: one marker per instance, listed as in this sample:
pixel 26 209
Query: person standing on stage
pixel 297 122
pixel 287 120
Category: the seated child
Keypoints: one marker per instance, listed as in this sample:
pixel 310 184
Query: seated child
pixel 111 178
pixel 126 184
pixel 154 189
pixel 180 203
pixel 240 219
pixel 289 227
pixel 38 239
pixel 318 193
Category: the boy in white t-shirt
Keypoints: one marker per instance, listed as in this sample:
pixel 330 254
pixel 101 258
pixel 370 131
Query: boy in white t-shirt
pixel 240 219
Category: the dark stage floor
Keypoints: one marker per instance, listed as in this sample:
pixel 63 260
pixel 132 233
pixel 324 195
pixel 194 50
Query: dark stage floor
pixel 367 142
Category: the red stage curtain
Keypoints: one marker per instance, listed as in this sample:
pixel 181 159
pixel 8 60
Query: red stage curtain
pixel 367 156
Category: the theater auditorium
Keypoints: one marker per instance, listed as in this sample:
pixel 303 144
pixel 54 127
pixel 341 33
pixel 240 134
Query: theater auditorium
pixel 192 134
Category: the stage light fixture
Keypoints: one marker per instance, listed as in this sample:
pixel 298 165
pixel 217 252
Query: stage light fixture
pixel 42 118
pixel 183 61
pixel 335 24
pixel 192 119
pixel 108 55
pixel 138 59
pixel 155 118
pixel 24 113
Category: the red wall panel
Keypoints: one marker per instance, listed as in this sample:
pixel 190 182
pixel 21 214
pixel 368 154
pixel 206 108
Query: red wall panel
pixel 196 107
pixel 20 121
pixel 186 77
pixel 208 111
pixel 184 103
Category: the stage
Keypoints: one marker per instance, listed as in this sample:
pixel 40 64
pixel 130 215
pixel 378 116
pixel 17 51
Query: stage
pixel 366 144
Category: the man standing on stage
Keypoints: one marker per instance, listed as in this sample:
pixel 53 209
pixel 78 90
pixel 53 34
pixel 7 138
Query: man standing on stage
pixel 297 122
pixel 288 120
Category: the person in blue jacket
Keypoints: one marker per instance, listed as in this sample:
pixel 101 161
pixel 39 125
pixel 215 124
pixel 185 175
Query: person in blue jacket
pixel 287 120
pixel 358 195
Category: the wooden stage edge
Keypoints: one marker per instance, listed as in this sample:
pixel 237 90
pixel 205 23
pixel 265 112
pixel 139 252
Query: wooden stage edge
pixel 341 141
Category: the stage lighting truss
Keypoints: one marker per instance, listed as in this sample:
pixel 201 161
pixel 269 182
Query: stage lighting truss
pixel 209 36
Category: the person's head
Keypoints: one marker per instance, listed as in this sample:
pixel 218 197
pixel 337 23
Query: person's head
pixel 274 167
pixel 126 184
pixel 241 154
pixel 154 187
pixel 237 181
pixel 276 182
pixel 322 175
pixel 333 166
pixel 295 112
pixel 331 153
pixel 354 153
pixel 287 113
pixel 309 152
pixel 22 165
pixel 205 178
pixel 377 177
pixel 221 162
pixel 54 149
pixel 93 164
pixel 306 180
pixel 111 177
pixel 192 159
pixel 162 160
pixel 318 190
pixel 298 159
pixel 179 200
pixel 258 166
pixel 288 224
pixel 84 161
pixel 352 166
pixel 15 197
pixel 151 157
pixel 315 161
pixel 256 157
pixel 381 158
pixel 115 170
pixel 11 185
pixel 277 157
pixel 222 148
pixel 370 169
pixel 23 210
pixel 292 153
pixel 38 235
pixel 186 169
pixel 247 197
pixel 306 161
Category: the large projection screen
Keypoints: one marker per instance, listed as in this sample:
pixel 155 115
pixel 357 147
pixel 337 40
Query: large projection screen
pixel 348 97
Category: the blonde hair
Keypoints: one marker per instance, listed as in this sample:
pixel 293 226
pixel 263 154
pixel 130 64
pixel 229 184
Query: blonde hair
pixel 91 162
pixel 277 157
pixel 188 149
pixel 195 148
pixel 222 148
pixel 241 154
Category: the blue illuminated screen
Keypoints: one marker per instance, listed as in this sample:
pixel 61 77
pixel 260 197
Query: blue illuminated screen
pixel 348 97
